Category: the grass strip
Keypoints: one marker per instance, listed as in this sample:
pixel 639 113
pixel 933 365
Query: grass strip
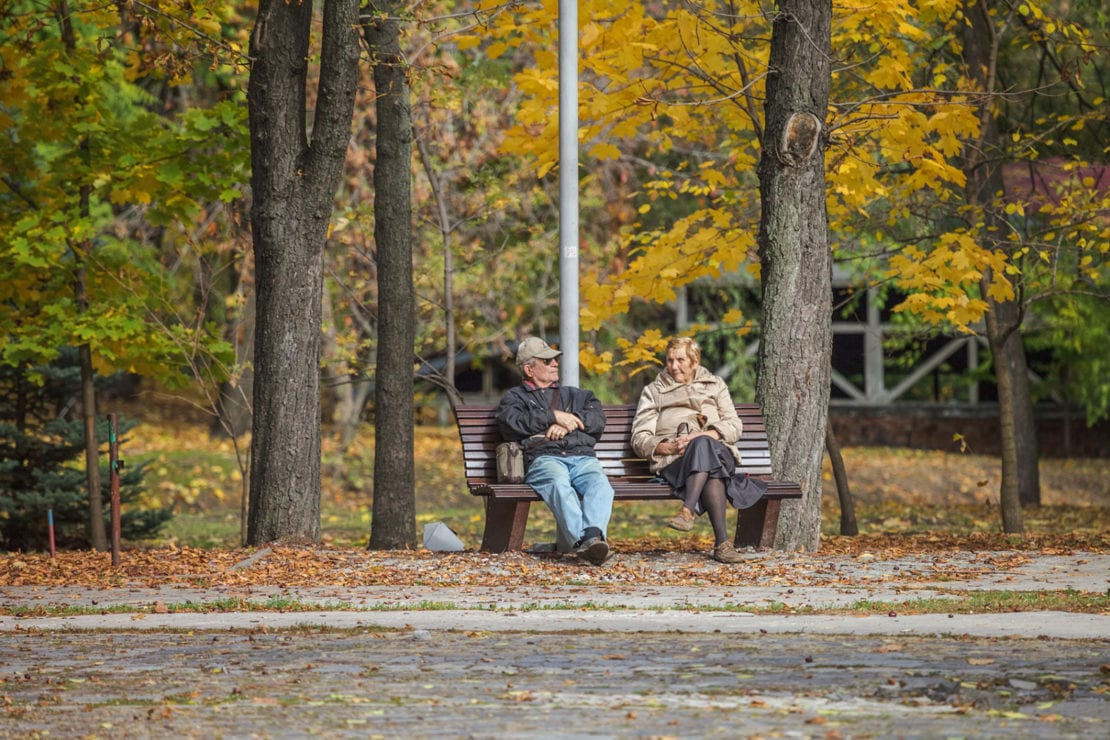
pixel 965 602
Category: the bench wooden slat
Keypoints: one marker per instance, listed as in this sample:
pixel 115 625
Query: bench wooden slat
pixel 507 503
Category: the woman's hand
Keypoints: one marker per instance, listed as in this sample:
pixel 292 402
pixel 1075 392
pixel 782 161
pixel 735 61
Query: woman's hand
pixel 674 446
pixel 678 445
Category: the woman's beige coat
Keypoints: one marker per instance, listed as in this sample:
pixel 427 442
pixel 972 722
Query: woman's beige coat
pixel 665 404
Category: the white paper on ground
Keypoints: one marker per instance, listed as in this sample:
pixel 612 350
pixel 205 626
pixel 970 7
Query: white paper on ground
pixel 438 536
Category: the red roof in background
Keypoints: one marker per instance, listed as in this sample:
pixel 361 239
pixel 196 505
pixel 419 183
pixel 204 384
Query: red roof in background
pixel 1038 182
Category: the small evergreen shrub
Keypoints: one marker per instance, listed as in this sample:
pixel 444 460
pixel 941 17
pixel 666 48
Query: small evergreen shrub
pixel 42 462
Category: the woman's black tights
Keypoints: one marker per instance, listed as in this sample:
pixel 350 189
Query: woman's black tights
pixel 711 492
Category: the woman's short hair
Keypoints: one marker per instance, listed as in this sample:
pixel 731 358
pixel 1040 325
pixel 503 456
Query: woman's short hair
pixel 688 345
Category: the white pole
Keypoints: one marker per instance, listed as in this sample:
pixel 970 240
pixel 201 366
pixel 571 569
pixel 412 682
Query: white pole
pixel 568 191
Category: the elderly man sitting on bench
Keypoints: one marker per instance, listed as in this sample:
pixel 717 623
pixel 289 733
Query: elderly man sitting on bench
pixel 558 427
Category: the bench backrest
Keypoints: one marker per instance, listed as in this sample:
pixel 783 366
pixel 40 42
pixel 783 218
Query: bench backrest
pixel 480 437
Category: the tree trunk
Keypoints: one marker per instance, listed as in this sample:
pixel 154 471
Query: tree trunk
pixel 393 523
pixel 293 182
pixel 1008 351
pixel 848 524
pixel 1003 335
pixel 98 537
pixel 796 338
pixel 983 167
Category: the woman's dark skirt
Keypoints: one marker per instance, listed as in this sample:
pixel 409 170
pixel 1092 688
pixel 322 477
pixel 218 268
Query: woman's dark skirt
pixel 707 455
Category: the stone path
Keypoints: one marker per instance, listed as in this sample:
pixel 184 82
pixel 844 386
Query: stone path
pixel 589 660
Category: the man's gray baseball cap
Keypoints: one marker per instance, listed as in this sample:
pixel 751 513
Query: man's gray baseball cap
pixel 534 348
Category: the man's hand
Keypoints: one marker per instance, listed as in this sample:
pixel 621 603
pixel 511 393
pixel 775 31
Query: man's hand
pixel 565 423
pixel 568 420
pixel 556 431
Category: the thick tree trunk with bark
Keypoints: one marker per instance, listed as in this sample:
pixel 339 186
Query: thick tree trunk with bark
pixel 393 524
pixel 983 167
pixel 796 339
pixel 293 180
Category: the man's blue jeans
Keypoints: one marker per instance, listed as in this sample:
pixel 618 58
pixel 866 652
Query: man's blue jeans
pixel 576 490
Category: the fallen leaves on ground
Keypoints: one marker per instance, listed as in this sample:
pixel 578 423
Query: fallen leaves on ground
pixel 842 561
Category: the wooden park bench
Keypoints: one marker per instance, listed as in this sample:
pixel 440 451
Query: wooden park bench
pixel 507 504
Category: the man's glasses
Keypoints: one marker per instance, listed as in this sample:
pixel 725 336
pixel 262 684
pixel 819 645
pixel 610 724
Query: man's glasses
pixel 549 361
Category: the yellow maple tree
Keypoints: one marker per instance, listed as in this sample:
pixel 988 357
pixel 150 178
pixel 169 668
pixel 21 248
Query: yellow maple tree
pixel 680 87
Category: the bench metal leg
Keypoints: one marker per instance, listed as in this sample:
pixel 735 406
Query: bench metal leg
pixel 505 523
pixel 757 526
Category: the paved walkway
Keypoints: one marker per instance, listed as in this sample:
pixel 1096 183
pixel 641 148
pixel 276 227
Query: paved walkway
pixel 783 607
pixel 590 658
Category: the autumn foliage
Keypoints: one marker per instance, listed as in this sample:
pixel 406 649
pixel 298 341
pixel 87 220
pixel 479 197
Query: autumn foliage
pixel 681 86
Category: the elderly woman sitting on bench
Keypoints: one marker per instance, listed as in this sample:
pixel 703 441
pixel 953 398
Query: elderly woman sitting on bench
pixel 686 426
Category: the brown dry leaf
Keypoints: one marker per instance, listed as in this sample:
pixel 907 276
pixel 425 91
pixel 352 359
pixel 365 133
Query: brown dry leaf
pixel 518 696
pixel 980 661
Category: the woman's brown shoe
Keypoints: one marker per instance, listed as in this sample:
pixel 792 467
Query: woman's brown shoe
pixel 683 521
pixel 726 553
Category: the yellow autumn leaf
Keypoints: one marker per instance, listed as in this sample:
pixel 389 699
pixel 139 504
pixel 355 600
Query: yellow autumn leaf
pixel 1000 289
pixel 604 150
pixel 465 42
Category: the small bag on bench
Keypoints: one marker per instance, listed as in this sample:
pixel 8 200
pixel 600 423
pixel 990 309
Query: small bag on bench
pixel 510 463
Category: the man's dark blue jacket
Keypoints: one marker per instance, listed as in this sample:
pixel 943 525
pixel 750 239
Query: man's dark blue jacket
pixel 525 412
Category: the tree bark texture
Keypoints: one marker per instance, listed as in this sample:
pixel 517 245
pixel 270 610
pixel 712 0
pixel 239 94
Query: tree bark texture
pixel 293 179
pixel 796 338
pixel 393 521
pixel 983 167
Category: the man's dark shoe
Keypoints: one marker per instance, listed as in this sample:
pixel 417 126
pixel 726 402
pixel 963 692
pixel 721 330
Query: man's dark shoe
pixel 593 549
